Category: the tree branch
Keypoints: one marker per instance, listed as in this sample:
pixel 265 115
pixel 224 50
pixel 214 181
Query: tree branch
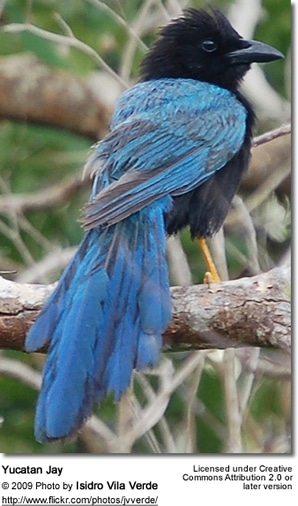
pixel 65 40
pixel 271 158
pixel 47 198
pixel 273 134
pixel 246 312
pixel 31 91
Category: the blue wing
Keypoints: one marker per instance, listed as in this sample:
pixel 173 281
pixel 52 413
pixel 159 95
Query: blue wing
pixel 167 138
pixel 112 304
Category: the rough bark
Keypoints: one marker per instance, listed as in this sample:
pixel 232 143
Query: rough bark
pixel 252 311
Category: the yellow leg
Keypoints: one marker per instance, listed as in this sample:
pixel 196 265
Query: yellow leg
pixel 211 275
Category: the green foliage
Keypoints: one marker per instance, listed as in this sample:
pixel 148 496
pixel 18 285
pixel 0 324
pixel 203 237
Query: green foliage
pixel 32 158
pixel 274 29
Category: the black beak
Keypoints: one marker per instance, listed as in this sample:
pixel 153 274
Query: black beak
pixel 254 52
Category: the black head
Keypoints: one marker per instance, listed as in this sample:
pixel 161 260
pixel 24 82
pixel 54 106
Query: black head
pixel 203 45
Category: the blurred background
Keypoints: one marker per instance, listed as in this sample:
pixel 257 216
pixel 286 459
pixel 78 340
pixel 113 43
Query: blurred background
pixel 62 65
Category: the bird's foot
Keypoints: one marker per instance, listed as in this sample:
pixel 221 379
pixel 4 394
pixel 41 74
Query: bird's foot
pixel 211 276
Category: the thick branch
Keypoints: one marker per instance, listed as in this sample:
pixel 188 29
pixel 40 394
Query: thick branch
pixel 250 311
pixel 31 91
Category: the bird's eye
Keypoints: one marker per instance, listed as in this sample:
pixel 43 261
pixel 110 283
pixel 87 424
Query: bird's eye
pixel 209 45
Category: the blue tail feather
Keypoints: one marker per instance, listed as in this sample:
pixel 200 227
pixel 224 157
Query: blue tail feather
pixel 104 319
pixel 154 312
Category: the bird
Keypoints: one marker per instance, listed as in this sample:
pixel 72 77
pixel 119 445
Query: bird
pixel 178 146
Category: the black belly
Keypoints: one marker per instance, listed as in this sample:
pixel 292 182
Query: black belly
pixel 205 208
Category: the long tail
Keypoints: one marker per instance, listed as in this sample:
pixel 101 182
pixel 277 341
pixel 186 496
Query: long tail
pixel 105 318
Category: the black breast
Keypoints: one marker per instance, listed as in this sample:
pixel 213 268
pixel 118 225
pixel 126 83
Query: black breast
pixel 205 208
